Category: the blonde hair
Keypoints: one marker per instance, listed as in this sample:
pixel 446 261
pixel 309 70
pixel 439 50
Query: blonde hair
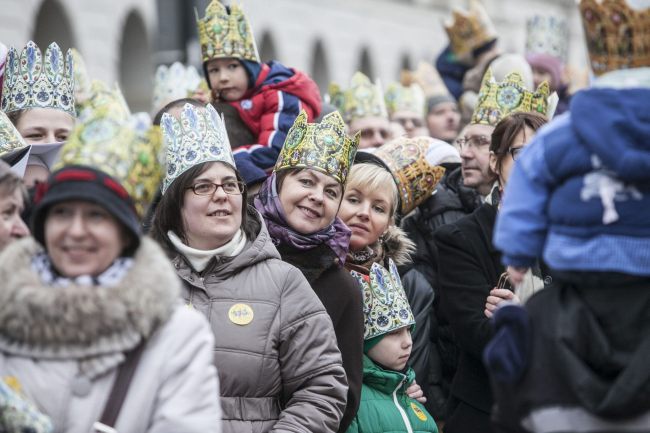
pixel 372 177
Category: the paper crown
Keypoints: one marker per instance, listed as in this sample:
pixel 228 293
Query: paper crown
pixel 226 33
pixel 427 76
pixel 103 98
pixel 405 96
pixel 199 136
pixel 10 138
pixel 385 305
pixel 414 164
pixel 126 148
pixel 618 36
pixel 362 99
pixel 547 34
pixel 82 83
pixel 468 31
pixel 497 100
pixel 321 146
pixel 33 82
pixel 174 82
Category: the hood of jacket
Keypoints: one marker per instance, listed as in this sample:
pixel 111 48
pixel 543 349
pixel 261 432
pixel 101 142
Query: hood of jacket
pixel 78 320
pixel 614 124
pixel 396 245
pixel 385 381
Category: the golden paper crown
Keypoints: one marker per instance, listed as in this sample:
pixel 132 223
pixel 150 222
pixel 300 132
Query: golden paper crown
pixel 128 149
pixel 618 37
pixel 385 305
pixel 497 100
pixel 224 34
pixel 10 138
pixel 102 98
pixel 405 97
pixel 427 76
pixel 31 81
pixel 321 146
pixel 470 30
pixel 362 99
pixel 82 83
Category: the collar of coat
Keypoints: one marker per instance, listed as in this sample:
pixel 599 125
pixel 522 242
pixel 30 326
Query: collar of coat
pixel 77 322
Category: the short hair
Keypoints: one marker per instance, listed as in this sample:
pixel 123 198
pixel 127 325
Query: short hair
pixel 15 116
pixel 174 104
pixel 372 177
pixel 10 182
pixel 507 129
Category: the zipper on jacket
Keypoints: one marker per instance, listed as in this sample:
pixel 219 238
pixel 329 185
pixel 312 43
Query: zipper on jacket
pixel 405 418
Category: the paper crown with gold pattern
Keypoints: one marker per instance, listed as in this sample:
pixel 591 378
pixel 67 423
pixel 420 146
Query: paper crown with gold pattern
pixel 385 305
pixel 10 138
pixel 174 82
pixel 128 149
pixel 547 34
pixel 468 31
pixel 414 164
pixel 199 136
pixel 498 99
pixel 32 81
pixel 427 76
pixel 405 96
pixel 618 36
pixel 362 99
pixel 225 33
pixel 103 98
pixel 82 82
pixel 320 146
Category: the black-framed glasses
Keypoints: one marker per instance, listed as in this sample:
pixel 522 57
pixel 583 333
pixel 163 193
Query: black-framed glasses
pixel 515 151
pixel 475 141
pixel 234 187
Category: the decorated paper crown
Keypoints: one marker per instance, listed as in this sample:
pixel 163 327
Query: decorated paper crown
pixel 82 83
pixel 414 164
pixel 10 138
pixel 385 305
pixel 497 100
pixel 321 146
pixel 547 34
pixel 199 136
pixel 102 98
pixel 226 33
pixel 405 96
pixel 618 36
pixel 362 99
pixel 429 80
pixel 174 82
pixel 128 149
pixel 468 31
pixel 32 81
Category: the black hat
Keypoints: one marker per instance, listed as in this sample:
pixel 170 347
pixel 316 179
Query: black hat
pixel 80 182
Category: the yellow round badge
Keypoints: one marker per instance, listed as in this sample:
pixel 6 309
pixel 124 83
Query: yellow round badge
pixel 240 314
pixel 418 412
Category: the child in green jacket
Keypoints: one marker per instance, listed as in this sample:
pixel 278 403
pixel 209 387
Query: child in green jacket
pixel 385 407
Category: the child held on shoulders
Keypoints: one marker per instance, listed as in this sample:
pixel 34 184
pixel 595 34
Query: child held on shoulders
pixel 268 96
pixel 388 322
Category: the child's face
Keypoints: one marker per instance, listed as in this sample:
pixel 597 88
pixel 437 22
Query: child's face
pixel 394 350
pixel 228 79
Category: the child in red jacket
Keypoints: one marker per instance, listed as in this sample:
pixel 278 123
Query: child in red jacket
pixel 268 96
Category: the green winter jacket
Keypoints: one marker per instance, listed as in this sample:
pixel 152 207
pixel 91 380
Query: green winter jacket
pixel 385 407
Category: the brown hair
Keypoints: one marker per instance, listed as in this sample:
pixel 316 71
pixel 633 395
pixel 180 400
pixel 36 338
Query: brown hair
pixel 15 116
pixel 10 182
pixel 507 129
pixel 168 212
pixel 174 104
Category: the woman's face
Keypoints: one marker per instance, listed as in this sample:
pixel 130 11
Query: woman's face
pixel 12 226
pixel 45 125
pixel 507 161
pixel 367 213
pixel 82 238
pixel 211 221
pixel 310 200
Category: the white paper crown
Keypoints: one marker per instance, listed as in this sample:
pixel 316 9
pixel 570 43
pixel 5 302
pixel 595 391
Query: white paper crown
pixel 385 305
pixel 199 136
pixel 174 82
pixel 32 81
pixel 547 35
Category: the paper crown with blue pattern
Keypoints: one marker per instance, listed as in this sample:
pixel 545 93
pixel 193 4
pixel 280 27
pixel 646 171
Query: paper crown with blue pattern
pixel 199 136
pixel 36 81
pixel 226 33
pixel 320 146
pixel 361 99
pixel 385 305
pixel 126 147
pixel 174 82
pixel 547 34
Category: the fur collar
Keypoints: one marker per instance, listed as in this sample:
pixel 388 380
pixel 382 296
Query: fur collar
pixel 397 246
pixel 79 322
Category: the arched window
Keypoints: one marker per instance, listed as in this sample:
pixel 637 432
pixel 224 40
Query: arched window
pixel 52 25
pixel 136 68
pixel 365 64
pixel 320 67
pixel 266 48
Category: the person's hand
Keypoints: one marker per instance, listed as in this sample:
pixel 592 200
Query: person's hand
pixel 516 275
pixel 415 392
pixel 496 298
pixel 202 96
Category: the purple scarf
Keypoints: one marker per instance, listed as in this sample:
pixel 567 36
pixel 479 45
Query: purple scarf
pixel 336 235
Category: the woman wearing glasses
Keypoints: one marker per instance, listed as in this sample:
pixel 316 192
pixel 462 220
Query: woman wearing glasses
pixel 469 268
pixel 275 348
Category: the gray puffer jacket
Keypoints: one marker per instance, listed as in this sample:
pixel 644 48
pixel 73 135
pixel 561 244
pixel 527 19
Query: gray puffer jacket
pixel 279 369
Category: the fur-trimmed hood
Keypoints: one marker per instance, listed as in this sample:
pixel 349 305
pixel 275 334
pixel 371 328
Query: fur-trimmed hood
pixel 397 246
pixel 77 321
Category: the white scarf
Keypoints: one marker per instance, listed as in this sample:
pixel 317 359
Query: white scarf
pixel 199 259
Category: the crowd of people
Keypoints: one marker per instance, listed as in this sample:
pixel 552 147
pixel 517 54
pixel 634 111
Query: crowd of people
pixel 468 251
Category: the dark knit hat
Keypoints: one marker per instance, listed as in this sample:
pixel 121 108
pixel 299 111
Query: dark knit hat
pixel 79 182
